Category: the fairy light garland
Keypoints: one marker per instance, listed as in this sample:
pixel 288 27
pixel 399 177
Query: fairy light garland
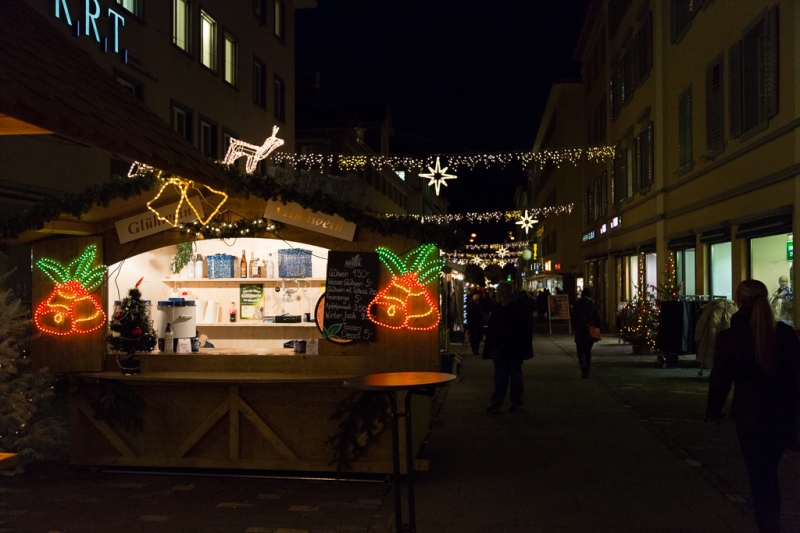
pixel 496 246
pixel 471 161
pixel 494 216
pixel 71 308
pixel 405 303
pixel 228 230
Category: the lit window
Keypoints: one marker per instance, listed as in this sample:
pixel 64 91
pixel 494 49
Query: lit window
pixel 131 5
pixel 180 24
pixel 208 41
pixel 231 60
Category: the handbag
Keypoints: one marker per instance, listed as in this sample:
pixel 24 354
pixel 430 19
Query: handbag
pixel 595 334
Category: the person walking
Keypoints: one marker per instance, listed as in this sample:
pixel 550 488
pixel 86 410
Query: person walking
pixel 585 314
pixel 475 322
pixel 762 358
pixel 509 342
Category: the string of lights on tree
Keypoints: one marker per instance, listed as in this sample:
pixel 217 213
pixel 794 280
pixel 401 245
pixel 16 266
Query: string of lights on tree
pixel 640 314
pixel 494 216
pixel 471 161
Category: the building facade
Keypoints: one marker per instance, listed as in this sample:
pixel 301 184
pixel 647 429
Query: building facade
pixel 699 99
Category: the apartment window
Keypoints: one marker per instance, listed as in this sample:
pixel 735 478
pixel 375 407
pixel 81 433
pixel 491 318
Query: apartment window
pixel 616 11
pixel 135 87
pixel 685 130
pixel 646 167
pixel 133 6
pixel 619 187
pixel 260 10
pixel 181 23
pixel 208 138
pixel 227 137
pixel 279 97
pixel 181 121
pixel 683 11
pixel 259 84
pixel 630 167
pixel 644 42
pixel 280 19
pixel 637 164
pixel 715 140
pixel 208 41
pixel 754 75
pixel 231 60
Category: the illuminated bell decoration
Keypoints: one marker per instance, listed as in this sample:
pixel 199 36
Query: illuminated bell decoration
pixel 406 303
pixel 71 308
pixel 183 186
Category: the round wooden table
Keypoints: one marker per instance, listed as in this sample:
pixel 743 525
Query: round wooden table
pixel 389 384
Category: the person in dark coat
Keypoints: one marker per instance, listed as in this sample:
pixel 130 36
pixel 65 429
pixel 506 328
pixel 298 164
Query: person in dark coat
pixel 475 322
pixel 585 314
pixel 508 343
pixel 541 304
pixel 762 358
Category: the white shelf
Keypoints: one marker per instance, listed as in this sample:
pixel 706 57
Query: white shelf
pixel 265 281
pixel 255 324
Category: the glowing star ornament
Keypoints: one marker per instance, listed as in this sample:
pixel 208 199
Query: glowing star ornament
pixel 406 303
pixel 526 221
pixel 254 153
pixel 71 308
pixel 437 176
pixel 183 187
pixel 502 251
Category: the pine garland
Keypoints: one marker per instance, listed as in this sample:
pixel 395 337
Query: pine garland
pixel 360 413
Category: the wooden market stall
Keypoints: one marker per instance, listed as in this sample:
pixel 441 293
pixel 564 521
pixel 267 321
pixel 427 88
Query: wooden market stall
pixel 247 403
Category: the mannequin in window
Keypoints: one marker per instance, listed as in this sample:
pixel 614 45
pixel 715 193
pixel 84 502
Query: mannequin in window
pixel 781 300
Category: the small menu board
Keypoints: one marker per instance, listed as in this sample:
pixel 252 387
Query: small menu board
pixel 250 301
pixel 351 285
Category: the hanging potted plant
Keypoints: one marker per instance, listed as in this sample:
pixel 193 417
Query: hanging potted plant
pixel 131 331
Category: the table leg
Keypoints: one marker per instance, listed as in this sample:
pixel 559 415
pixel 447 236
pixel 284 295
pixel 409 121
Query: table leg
pixel 412 518
pixel 398 508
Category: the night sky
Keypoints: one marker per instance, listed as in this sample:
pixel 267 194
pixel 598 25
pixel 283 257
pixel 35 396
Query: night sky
pixel 461 76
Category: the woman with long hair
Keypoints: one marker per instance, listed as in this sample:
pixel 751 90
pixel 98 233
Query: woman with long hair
pixel 762 358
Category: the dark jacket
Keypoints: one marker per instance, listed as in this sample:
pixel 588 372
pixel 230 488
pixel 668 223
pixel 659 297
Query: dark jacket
pixel 510 334
pixel 584 314
pixel 759 399
pixel 474 315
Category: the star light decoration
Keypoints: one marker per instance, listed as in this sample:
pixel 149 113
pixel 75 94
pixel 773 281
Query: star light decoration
pixel 502 251
pixel 526 221
pixel 438 176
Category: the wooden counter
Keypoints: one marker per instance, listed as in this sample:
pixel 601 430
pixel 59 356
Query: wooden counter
pixel 218 377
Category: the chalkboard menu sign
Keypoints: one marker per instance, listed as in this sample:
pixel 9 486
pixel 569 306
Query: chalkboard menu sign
pixel 351 284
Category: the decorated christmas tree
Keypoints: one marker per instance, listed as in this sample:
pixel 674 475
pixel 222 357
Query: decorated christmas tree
pixel 640 318
pixel 668 290
pixel 29 422
pixel 131 331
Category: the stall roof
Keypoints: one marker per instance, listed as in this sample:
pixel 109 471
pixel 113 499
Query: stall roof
pixel 49 85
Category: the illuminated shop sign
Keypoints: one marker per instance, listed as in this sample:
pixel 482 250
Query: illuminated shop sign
pixel 87 25
pixel 603 229
pixel 588 236
pixel 548 265
pixel 535 251
pixel 558 266
pixel 616 222
pixel 790 250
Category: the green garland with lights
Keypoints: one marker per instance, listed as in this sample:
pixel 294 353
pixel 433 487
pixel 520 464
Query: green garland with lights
pixel 230 230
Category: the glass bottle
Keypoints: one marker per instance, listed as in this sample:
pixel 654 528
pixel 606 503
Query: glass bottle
pixel 198 267
pixel 233 311
pixel 190 268
pixel 253 266
pixel 243 265
pixel 169 338
pixel 270 266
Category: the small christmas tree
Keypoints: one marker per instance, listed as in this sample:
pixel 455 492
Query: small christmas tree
pixel 131 331
pixel 29 425
pixel 640 318
pixel 668 290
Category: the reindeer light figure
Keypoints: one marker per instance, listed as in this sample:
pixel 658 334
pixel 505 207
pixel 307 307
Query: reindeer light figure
pixel 253 152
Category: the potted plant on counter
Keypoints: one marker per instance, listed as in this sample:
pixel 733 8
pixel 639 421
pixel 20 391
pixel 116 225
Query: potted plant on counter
pixel 131 331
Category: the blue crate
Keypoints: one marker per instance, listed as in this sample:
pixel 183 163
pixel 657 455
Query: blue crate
pixel 221 266
pixel 294 263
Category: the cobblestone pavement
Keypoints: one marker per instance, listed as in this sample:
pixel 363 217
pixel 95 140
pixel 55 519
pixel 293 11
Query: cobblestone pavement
pixel 623 451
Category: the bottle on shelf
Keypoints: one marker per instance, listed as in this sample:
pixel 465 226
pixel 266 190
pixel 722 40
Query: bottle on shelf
pixel 254 266
pixel 169 338
pixel 243 265
pixel 233 311
pixel 198 267
pixel 262 269
pixel 270 266
pixel 190 268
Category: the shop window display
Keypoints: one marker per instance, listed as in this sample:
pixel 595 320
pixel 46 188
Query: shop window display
pixel 721 270
pixel 769 264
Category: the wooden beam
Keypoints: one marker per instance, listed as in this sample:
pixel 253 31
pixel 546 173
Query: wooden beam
pixel 204 428
pixel 267 431
pixel 104 428
pixel 66 227
pixel 233 436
